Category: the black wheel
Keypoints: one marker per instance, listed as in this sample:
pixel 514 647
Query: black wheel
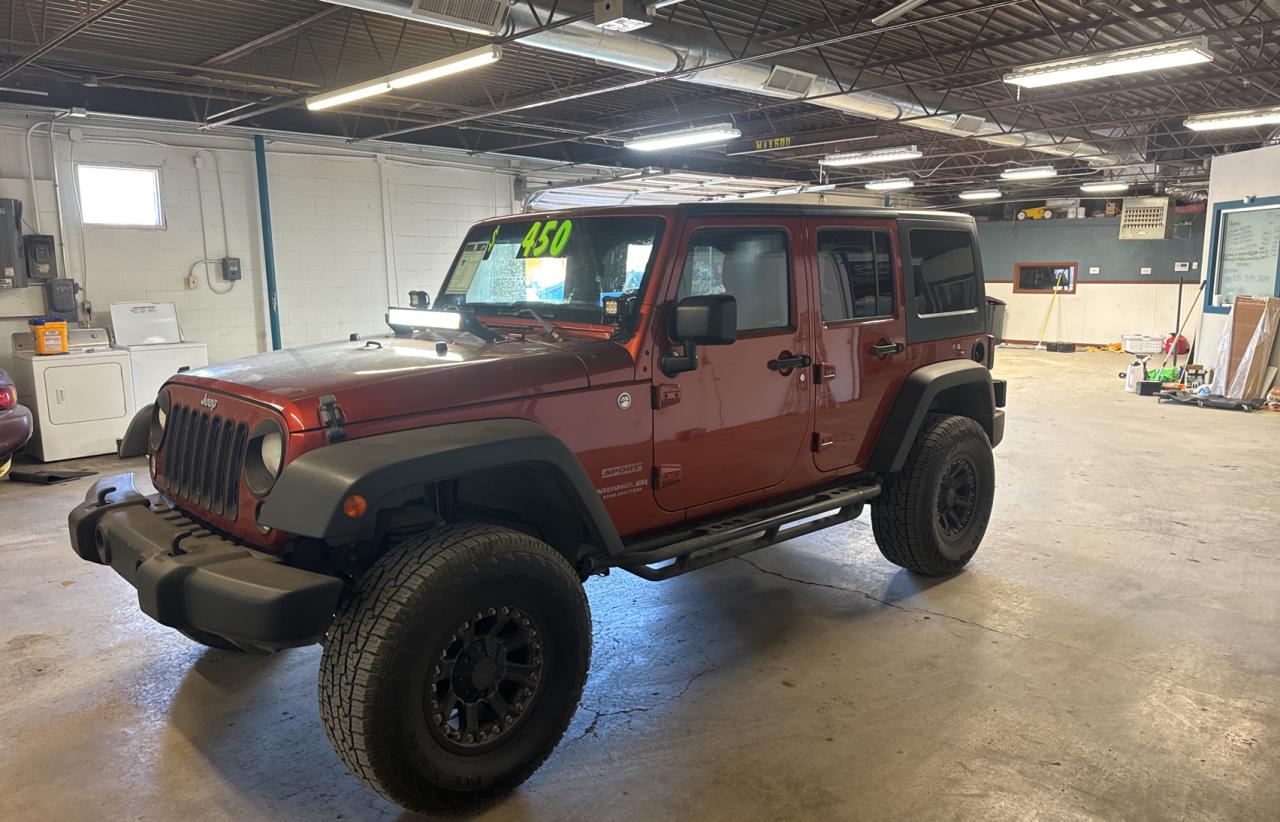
pixel 210 640
pixel 931 515
pixel 452 672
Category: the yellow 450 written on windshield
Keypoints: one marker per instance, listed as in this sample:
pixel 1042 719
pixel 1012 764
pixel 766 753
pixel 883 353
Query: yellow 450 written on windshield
pixel 545 238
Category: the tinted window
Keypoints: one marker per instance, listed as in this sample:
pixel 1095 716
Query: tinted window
pixel 944 271
pixel 749 263
pixel 855 272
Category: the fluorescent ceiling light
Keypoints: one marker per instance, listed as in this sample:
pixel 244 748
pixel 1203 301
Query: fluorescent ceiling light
pixel 1029 173
pixel 818 188
pixel 755 195
pixel 467 60
pixel 981 194
pixel 414 318
pixel 718 133
pixel 1188 52
pixel 1104 187
pixel 1245 118
pixel 892 184
pixel 883 155
pixel 897 11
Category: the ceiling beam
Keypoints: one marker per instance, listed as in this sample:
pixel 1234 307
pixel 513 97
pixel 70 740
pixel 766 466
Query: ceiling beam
pixel 271 38
pixel 61 37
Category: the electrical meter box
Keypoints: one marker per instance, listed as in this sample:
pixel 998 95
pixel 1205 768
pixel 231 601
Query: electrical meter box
pixel 13 260
pixel 1147 218
pixel 42 263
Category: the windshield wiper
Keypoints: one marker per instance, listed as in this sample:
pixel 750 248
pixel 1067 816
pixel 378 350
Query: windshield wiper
pixel 546 326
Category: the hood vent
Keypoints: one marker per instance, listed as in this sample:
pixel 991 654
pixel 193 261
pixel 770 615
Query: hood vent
pixel 789 82
pixel 478 16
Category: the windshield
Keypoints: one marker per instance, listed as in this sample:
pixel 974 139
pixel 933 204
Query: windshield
pixel 563 268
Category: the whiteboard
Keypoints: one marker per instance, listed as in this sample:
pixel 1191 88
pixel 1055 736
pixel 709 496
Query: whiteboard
pixel 1249 260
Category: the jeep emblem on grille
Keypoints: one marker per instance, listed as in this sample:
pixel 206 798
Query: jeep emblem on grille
pixel 209 402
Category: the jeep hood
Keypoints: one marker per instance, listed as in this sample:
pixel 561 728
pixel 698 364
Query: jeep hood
pixel 396 376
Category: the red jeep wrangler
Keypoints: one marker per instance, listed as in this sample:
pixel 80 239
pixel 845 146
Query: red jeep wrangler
pixel 651 389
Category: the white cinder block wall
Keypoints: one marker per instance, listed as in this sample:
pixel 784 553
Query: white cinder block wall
pixel 353 232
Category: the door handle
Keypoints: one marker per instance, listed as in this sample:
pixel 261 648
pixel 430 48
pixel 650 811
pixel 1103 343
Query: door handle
pixel 788 363
pixel 884 349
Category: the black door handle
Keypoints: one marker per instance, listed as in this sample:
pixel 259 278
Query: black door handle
pixel 886 348
pixel 788 363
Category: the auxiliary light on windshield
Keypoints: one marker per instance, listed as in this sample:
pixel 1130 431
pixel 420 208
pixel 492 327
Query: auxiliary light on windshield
pixel 416 319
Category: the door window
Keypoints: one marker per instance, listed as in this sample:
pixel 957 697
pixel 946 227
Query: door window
pixel 855 272
pixel 752 264
pixel 945 271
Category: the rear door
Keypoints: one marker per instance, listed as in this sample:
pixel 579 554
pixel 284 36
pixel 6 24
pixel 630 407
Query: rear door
pixel 861 339
pixel 738 423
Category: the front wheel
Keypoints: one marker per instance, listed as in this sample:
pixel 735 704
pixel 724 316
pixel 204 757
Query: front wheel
pixel 931 515
pixel 454 669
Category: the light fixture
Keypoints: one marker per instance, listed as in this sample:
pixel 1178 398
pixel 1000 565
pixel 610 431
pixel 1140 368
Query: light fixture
pixel 1244 118
pixel 1029 173
pixel 815 189
pixel 891 184
pixel 465 61
pixel 1105 187
pixel 1186 52
pixel 621 15
pixel 417 318
pixel 981 194
pixel 882 155
pixel 897 11
pixel 755 195
pixel 702 135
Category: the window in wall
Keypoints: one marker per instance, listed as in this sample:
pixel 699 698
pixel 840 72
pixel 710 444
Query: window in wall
pixel 749 263
pixel 119 196
pixel 1045 278
pixel 944 271
pixel 855 271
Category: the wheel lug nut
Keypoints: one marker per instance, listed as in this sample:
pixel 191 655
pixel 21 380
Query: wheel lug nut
pixel 506 611
pixel 438 719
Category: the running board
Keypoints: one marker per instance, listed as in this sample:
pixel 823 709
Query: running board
pixel 734 536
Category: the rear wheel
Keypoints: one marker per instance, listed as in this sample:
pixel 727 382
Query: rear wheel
pixel 932 515
pixel 453 671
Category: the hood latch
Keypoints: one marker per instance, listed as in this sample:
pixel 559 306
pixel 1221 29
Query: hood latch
pixel 332 418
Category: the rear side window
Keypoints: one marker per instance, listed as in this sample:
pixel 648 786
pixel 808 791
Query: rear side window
pixel 945 271
pixel 752 264
pixel 855 273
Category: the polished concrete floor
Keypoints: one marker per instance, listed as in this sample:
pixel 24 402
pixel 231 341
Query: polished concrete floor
pixel 1113 652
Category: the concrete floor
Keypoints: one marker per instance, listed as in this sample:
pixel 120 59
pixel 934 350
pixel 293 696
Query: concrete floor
pixel 1113 652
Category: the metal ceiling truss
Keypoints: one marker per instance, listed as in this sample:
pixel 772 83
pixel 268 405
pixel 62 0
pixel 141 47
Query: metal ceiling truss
pixel 252 62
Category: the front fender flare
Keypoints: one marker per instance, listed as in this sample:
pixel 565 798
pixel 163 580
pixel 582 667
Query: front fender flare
pixel 307 498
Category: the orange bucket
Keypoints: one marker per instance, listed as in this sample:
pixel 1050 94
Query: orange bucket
pixel 50 334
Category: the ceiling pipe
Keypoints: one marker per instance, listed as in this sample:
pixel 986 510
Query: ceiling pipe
pixel 665 47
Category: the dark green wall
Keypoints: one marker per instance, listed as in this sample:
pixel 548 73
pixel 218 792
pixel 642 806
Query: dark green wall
pixel 1091 242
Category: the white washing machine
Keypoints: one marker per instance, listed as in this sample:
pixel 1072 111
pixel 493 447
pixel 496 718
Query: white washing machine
pixel 81 401
pixel 150 332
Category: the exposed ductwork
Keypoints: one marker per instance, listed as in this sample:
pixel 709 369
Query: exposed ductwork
pixel 665 47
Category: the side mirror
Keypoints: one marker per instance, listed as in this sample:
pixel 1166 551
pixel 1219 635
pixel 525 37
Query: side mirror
pixel 711 319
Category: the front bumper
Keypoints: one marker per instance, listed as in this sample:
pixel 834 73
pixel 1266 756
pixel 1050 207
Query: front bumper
pixel 189 578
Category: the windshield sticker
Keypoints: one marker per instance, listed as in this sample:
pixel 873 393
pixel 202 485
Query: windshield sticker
pixel 545 239
pixel 468 264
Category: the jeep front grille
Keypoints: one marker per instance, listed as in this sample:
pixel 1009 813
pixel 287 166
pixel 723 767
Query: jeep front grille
pixel 203 455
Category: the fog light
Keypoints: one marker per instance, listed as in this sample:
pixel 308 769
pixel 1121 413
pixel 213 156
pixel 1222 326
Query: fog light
pixel 355 506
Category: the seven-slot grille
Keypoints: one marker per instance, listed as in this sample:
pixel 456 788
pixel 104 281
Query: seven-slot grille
pixel 203 455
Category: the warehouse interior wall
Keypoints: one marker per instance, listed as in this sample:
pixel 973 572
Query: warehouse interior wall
pixel 1117 299
pixel 354 231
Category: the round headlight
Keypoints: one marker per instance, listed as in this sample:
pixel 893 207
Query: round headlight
pixel 159 418
pixel 264 457
pixel 272 452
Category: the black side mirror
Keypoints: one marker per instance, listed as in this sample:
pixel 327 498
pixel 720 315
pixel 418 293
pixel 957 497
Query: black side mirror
pixel 711 319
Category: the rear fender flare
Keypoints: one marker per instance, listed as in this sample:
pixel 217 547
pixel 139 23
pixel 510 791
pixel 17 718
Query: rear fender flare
pixel 959 386
pixel 307 499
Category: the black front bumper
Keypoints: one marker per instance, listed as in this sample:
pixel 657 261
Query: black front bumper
pixel 189 578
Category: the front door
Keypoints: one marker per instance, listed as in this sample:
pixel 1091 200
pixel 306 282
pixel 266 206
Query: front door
pixel 860 352
pixel 737 423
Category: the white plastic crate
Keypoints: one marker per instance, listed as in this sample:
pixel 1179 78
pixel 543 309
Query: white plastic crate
pixel 1141 344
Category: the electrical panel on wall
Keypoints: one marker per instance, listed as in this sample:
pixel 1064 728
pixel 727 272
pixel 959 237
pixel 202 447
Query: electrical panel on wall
pixel 1147 218
pixel 13 258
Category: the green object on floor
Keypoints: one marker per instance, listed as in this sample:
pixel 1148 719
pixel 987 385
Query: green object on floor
pixel 1163 374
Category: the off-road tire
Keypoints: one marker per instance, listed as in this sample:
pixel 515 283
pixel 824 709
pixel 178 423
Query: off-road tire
pixel 384 650
pixel 905 518
pixel 210 640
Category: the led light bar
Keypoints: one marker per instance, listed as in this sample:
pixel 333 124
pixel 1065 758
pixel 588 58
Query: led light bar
pixel 467 60
pixel 883 155
pixel 414 318
pixel 703 135
pixel 1029 173
pixel 1188 52
pixel 891 184
pixel 1245 118
pixel 1106 187
pixel 981 194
